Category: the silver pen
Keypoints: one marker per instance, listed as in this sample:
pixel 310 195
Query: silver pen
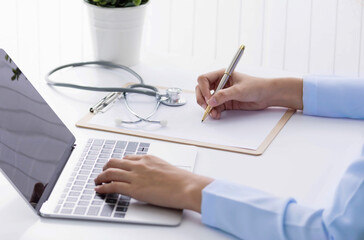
pixel 106 101
pixel 226 76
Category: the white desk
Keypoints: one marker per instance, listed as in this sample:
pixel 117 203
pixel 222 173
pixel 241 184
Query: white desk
pixel 304 161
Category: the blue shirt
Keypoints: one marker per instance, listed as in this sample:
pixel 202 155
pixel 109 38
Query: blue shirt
pixel 252 214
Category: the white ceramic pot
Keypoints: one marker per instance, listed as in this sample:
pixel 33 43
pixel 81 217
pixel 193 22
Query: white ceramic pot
pixel 117 33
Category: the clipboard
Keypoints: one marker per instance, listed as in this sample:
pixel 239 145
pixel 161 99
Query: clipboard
pixel 87 122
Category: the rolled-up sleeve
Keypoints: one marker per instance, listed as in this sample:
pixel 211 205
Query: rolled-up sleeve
pixel 252 214
pixel 333 97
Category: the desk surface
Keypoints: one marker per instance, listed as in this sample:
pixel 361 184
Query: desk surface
pixel 305 161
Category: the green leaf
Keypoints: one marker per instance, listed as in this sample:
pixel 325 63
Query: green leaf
pixel 137 2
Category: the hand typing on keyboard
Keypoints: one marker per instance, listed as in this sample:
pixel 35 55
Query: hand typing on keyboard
pixel 150 179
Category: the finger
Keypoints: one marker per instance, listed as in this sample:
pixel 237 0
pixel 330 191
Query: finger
pixel 133 157
pixel 113 175
pixel 212 77
pixel 208 81
pixel 200 98
pixel 216 112
pixel 114 187
pixel 222 96
pixel 118 163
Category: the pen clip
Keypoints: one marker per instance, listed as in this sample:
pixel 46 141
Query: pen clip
pixel 105 102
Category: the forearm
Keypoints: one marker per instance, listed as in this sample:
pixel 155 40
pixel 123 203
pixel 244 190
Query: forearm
pixel 193 191
pixel 285 92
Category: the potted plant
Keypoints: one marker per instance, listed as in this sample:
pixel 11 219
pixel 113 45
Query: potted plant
pixel 116 29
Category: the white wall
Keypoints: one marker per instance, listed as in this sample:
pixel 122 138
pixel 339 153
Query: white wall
pixel 305 36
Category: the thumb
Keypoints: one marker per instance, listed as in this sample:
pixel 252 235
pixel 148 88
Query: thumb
pixel 221 97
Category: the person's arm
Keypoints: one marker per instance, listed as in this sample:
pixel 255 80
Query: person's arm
pixel 251 214
pixel 239 210
pixel 316 95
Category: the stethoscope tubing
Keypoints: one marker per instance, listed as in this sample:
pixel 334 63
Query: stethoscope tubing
pixel 150 90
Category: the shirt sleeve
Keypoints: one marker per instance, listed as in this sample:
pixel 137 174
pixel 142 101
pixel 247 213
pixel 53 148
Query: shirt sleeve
pixel 333 97
pixel 252 214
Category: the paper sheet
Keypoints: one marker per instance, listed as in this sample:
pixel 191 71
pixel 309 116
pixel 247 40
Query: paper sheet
pixel 243 129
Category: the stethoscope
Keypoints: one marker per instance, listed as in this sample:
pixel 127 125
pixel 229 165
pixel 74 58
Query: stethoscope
pixel 171 98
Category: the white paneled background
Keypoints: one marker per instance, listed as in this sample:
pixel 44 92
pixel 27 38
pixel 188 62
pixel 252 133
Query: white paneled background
pixel 303 36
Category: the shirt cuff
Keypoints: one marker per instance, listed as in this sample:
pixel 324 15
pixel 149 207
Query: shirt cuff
pixel 309 97
pixel 243 211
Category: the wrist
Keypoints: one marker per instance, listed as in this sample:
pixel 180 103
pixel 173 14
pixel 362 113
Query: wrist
pixel 193 192
pixel 286 92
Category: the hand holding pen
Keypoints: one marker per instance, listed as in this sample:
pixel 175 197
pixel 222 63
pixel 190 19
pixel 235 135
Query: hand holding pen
pixel 244 92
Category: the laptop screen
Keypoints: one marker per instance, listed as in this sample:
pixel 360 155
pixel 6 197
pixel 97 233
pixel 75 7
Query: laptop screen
pixel 34 143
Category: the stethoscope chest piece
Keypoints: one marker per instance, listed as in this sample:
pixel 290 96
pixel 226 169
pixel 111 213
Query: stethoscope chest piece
pixel 173 97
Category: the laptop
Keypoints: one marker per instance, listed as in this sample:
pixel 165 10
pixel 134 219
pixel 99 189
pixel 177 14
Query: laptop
pixel 40 158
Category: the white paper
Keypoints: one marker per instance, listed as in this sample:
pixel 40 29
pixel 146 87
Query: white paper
pixel 244 129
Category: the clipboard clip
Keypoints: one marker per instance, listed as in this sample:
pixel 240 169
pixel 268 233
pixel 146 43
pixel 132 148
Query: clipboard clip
pixel 108 100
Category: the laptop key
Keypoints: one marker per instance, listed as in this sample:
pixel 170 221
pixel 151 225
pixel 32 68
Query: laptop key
pixel 81 177
pixel 107 210
pixel 89 162
pixel 121 209
pixel 120 144
pixel 58 207
pixel 110 142
pixel 108 146
pixel 108 200
pixel 123 197
pixel 79 183
pixel 74 194
pixel 83 203
pixel 98 142
pixel 119 215
pixel 77 188
pixel 87 191
pixel 93 152
pixel 97 202
pixel 69 205
pixel 93 211
pixel 86 167
pixel 113 196
pixel 118 150
pixel 97 170
pixel 80 210
pixel 94 175
pixel 85 172
pixel 90 186
pixel 66 210
pixel 145 145
pixel 102 160
pixel 123 203
pixel 99 165
pixel 99 196
pixel 91 157
pixel 106 151
pixel 116 155
pixel 132 146
pixel 104 155
pixel 71 199
pixel 86 197
pixel 96 148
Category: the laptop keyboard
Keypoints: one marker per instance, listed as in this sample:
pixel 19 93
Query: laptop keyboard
pixel 79 197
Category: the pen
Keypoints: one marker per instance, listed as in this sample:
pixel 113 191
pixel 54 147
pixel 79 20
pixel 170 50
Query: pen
pixel 106 101
pixel 226 76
